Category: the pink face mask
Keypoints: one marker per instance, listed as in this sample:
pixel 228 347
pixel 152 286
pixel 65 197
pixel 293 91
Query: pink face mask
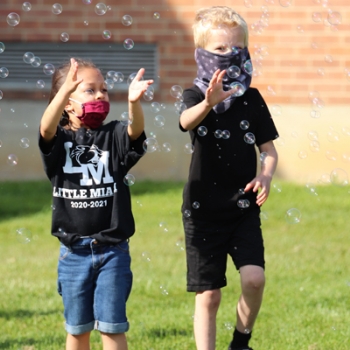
pixel 94 113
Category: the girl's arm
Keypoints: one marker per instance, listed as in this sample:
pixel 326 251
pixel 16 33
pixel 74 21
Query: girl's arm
pixel 136 89
pixel 53 112
pixel 191 117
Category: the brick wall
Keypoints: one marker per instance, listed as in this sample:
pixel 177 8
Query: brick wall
pixel 295 48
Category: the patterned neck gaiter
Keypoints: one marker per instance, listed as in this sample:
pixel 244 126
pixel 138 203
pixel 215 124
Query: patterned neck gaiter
pixel 238 73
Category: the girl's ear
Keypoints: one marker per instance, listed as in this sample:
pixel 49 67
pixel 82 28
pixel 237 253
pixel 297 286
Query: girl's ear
pixel 68 107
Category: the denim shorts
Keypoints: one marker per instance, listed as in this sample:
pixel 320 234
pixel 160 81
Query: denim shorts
pixel 208 244
pixel 95 281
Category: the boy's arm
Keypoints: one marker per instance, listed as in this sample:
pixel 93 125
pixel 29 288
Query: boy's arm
pixel 136 89
pixel 263 179
pixel 191 117
pixel 53 112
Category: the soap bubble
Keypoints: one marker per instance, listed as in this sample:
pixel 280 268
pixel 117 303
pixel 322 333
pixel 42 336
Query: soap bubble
pixel 285 3
pixel 237 89
pixel 187 213
pixel 248 67
pixel 155 107
pixel 106 34
pixel 166 147
pixel 244 124
pixel 339 177
pixel 118 77
pixel 100 9
pixel 125 120
pixel 310 187
pixel 109 84
pixel 233 71
pixel 202 130
pixel 4 72
pixel 49 69
pixel 159 121
pixel 131 78
pixel 129 179
pixel 315 114
pixel 24 143
pixel 148 95
pixel 195 205
pixel 40 84
pixel 163 226
pixel 218 133
pixel 145 256
pixel 150 145
pixel 26 6
pixel 276 110
pixel 302 154
pixel 12 160
pixel 156 15
pixel 64 37
pixel 317 17
pixel 225 134
pixel 2 47
pixel 1 96
pixel 293 216
pixel 28 57
pixel 334 17
pixel 36 61
pixel 127 20
pixel 248 3
pixel 189 148
pixel 163 290
pixel 24 235
pixel 243 203
pixel 249 138
pixel 128 44
pixel 56 9
pixel 263 156
pixel 176 91
pixel 13 19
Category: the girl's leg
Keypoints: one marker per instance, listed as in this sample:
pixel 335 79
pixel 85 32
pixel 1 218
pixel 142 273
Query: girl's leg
pixel 114 341
pixel 252 283
pixel 207 305
pixel 78 342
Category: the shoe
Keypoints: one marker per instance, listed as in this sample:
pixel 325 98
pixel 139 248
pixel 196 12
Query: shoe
pixel 244 348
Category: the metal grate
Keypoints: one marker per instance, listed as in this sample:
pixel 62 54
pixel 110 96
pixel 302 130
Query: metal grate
pixel 23 76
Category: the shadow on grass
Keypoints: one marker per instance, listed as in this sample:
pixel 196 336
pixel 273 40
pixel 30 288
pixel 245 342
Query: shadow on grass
pixel 171 332
pixel 24 198
pixel 22 314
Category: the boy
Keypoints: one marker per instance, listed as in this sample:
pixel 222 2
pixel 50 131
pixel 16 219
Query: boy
pixel 223 195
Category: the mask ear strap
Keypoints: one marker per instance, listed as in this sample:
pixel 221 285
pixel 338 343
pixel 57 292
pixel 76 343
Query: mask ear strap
pixel 72 99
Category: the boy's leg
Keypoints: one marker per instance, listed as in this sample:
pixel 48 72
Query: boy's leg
pixel 207 305
pixel 78 342
pixel 114 341
pixel 252 284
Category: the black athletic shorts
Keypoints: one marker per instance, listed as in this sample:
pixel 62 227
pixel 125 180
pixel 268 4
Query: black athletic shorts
pixel 209 243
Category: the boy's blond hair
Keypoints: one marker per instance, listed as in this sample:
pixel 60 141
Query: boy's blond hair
pixel 216 17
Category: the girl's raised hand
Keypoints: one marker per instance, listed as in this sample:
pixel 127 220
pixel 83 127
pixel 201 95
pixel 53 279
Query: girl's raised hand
pixel 72 80
pixel 138 87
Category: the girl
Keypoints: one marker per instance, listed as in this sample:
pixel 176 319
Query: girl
pixel 86 162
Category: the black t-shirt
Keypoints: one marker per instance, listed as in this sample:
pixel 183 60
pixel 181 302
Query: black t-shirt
pixel 223 162
pixel 86 169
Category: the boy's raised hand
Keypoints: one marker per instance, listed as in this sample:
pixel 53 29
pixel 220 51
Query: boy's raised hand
pixel 215 93
pixel 138 87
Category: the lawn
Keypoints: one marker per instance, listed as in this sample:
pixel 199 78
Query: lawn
pixel 306 302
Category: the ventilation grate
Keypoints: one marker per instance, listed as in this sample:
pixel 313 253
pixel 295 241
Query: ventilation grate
pixel 24 77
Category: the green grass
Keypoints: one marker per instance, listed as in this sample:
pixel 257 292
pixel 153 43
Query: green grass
pixel 306 302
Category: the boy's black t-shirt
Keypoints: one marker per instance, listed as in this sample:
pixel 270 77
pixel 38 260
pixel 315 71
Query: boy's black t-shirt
pixel 220 167
pixel 87 169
